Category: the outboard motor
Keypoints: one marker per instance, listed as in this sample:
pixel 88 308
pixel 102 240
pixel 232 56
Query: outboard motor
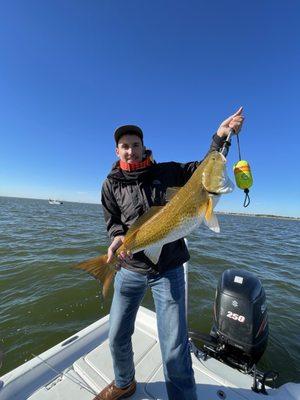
pixel 240 330
pixel 240 318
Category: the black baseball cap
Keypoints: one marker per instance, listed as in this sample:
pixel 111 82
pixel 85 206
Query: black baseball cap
pixel 128 130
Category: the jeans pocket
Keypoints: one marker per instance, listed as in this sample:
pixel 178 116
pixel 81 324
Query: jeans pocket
pixel 129 283
pixel 118 280
pixel 174 283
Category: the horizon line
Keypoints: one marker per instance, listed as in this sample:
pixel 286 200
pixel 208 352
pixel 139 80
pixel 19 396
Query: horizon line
pixel 254 214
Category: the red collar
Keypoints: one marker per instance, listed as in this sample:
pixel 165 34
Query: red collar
pixel 135 166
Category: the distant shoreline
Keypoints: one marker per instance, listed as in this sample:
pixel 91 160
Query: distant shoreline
pixel 216 212
pixel 257 215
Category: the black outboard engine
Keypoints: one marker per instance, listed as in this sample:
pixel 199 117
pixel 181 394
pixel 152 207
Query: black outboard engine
pixel 240 318
pixel 240 331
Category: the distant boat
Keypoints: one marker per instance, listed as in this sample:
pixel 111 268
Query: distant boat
pixel 52 201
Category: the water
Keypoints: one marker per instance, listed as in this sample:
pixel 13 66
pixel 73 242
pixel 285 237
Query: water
pixel 43 301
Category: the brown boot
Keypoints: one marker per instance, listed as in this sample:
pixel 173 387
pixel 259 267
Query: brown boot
pixel 112 392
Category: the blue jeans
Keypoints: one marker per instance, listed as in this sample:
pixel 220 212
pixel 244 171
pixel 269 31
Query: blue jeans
pixel 168 292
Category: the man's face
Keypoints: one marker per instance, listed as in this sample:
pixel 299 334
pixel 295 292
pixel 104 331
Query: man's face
pixel 130 149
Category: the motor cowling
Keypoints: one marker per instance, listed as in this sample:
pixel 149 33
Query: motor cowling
pixel 240 317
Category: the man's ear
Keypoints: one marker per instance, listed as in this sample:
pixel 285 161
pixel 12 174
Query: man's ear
pixel 117 152
pixel 144 151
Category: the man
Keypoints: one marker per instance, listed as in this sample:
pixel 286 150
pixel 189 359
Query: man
pixel 134 185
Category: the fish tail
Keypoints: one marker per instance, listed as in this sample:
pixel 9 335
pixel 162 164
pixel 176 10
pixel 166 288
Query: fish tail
pixel 100 269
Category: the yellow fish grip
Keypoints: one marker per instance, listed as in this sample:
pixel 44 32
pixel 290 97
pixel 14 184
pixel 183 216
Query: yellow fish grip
pixel 243 178
pixel 242 174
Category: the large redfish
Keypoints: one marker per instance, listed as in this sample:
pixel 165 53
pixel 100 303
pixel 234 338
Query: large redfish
pixel 188 207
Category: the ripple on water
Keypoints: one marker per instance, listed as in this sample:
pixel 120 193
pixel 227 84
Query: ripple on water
pixel 43 300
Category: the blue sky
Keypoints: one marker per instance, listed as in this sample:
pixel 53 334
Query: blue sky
pixel 72 71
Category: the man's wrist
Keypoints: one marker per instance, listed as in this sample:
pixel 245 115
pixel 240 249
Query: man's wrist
pixel 222 134
pixel 219 139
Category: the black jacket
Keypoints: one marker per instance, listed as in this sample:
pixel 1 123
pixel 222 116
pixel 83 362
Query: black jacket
pixel 128 195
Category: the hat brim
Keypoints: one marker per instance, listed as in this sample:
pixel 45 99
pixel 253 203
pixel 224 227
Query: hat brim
pixel 128 130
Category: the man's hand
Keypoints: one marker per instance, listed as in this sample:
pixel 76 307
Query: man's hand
pixel 234 122
pixel 116 243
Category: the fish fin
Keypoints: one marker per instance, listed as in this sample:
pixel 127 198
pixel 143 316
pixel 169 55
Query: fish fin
pixel 142 219
pixel 210 219
pixel 213 223
pixel 99 269
pixel 153 253
pixel 215 199
pixel 202 212
pixel 171 192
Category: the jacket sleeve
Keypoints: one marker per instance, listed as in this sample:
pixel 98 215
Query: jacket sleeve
pixel 187 169
pixel 216 144
pixel 111 211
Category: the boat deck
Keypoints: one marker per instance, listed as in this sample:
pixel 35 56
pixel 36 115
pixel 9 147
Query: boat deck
pixel 85 358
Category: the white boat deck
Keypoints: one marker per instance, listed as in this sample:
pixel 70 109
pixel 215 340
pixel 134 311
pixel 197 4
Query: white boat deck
pixel 85 358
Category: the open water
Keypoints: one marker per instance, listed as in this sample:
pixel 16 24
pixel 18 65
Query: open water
pixel 43 301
